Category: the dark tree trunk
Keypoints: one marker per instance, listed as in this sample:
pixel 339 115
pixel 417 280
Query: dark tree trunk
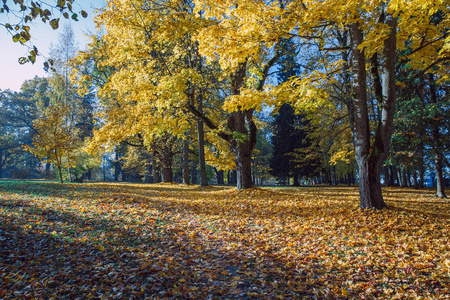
pixel 243 138
pixel 148 169
pixel 369 157
pixel 186 161
pixel 422 175
pixel 437 143
pixel 416 184
pixel 219 176
pixel 194 175
pixel 401 182
pixel 387 180
pixel 296 182
pixel 335 179
pixel 167 161
pixel 156 175
pixel 232 177
pixel 243 159
pixel 167 174
pixel 201 152
pixel 392 175
pixel 408 177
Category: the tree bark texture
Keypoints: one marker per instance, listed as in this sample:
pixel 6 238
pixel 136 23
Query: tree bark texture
pixel 167 173
pixel 370 156
pixel 243 134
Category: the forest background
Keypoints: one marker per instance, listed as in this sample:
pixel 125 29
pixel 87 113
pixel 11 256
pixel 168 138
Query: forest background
pixel 194 92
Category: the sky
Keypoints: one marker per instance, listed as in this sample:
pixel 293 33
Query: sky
pixel 12 74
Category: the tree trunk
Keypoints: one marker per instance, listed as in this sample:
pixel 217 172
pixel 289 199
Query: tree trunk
pixel 440 191
pixel 116 166
pixel 369 157
pixel 167 173
pixel 416 184
pixel 386 176
pixel 156 175
pixel 422 175
pixel 201 152
pixel 242 155
pixel 401 182
pixel 233 177
pixel 219 176
pixel 59 162
pixel 148 168
pixel 296 182
pixel 186 161
pixel 437 143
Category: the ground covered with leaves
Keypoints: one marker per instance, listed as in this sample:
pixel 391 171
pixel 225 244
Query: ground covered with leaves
pixel 169 241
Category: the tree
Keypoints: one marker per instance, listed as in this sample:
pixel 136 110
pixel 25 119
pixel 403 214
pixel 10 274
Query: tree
pixel 55 139
pixel 18 110
pixel 178 85
pixel 246 57
pixel 377 31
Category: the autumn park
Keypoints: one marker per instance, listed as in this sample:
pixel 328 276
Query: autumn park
pixel 227 149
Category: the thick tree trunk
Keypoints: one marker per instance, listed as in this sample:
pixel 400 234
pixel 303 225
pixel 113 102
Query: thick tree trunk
pixel 167 161
pixel 243 159
pixel 369 157
pixel 243 138
pixel 167 174
pixel 369 184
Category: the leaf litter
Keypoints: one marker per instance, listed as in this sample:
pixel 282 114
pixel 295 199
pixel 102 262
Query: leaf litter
pixel 173 241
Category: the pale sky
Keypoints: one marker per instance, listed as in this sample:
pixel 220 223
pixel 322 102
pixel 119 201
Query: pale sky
pixel 13 74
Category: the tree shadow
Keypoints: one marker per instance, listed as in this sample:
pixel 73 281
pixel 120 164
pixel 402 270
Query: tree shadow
pixel 41 257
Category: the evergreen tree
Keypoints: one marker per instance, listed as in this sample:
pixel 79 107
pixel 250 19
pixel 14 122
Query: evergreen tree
pixel 289 129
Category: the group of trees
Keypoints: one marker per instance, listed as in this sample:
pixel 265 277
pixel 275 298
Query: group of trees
pixel 192 80
pixel 47 121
